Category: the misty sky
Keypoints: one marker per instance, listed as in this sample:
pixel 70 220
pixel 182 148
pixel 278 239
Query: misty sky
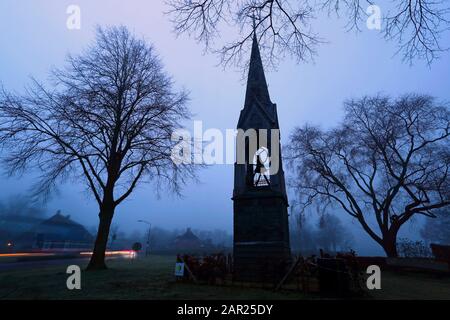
pixel 34 37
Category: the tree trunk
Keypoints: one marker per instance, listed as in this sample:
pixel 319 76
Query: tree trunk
pixel 390 246
pixel 97 261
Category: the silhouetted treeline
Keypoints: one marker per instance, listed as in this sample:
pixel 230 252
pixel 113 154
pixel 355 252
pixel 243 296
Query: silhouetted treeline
pixel 327 232
pixel 164 239
pixel 20 205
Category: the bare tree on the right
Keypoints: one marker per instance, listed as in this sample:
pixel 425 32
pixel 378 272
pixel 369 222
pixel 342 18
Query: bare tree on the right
pixel 387 162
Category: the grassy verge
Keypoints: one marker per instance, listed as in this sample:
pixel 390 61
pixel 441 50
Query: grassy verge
pixel 152 278
pixel 412 285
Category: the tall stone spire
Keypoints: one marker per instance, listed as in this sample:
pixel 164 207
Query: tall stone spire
pixel 257 91
pixel 261 248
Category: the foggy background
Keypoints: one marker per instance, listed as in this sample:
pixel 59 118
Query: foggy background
pixel 34 37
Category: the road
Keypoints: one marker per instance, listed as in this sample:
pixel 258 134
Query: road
pixel 39 264
pixel 24 261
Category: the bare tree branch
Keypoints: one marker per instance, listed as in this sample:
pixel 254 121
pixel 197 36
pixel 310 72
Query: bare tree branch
pixel 284 27
pixel 389 160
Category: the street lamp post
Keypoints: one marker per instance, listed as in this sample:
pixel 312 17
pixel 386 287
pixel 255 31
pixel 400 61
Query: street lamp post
pixel 147 248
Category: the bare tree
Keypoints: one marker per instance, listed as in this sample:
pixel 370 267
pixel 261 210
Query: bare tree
pixel 113 233
pixel 417 26
pixel 387 162
pixel 107 121
pixel 285 26
pixel 282 27
pixel 302 234
pixel 327 232
pixel 331 234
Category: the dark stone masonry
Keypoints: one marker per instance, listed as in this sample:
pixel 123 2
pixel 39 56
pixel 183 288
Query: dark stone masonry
pixel 261 231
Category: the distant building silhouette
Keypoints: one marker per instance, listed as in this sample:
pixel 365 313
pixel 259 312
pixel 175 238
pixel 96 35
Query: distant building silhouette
pixel 188 241
pixel 56 232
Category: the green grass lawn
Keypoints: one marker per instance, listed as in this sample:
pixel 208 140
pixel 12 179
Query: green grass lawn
pixel 152 278
pixel 412 286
